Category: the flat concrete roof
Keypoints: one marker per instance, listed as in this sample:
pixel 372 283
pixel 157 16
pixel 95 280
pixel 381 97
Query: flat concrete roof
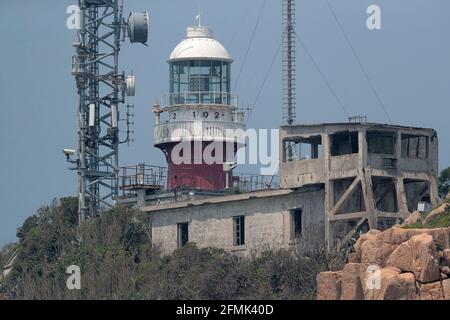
pixel 356 124
pixel 229 198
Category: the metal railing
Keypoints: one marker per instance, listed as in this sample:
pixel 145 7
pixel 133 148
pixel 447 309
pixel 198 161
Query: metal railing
pixel 357 119
pixel 200 130
pixel 142 176
pixel 199 97
pixel 148 177
pixel 253 182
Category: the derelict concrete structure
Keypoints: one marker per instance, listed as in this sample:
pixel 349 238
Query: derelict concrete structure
pixel 374 175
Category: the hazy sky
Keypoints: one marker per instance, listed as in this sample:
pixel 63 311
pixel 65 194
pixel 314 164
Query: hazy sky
pixel 408 61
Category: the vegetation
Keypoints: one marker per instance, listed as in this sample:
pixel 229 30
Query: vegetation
pixel 444 182
pixel 441 221
pixel 117 261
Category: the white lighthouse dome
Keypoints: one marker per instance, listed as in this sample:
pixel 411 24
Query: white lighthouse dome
pixel 200 44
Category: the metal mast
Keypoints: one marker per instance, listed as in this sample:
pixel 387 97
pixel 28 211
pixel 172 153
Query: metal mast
pixel 288 62
pixel 101 90
pixel 289 69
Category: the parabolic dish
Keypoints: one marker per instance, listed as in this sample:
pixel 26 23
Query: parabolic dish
pixel 138 22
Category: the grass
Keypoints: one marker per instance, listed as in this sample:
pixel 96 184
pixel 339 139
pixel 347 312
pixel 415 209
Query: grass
pixel 441 221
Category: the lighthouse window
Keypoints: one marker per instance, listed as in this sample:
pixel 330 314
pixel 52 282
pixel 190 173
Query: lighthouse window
pixel 200 81
pixel 199 84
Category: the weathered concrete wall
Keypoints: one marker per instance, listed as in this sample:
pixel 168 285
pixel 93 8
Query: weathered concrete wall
pixel 390 159
pixel 267 222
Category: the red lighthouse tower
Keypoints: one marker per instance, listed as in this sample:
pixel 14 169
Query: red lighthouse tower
pixel 200 133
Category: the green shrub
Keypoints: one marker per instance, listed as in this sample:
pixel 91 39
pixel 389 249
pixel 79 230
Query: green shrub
pixel 118 261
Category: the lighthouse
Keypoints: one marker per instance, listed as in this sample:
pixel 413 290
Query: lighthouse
pixel 198 123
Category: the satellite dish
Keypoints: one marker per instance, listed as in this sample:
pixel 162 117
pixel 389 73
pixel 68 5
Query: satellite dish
pixel 130 85
pixel 138 24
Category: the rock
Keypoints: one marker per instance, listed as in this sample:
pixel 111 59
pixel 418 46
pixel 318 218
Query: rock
pixel 445 270
pixel 370 235
pixel 436 212
pixel 353 258
pixel 404 290
pixel 417 255
pixel 446 289
pixel 412 218
pixel 351 283
pixel 441 237
pixel 431 291
pixel 425 264
pixel 446 257
pixel 376 252
pixel 396 235
pixel 387 284
pixel 329 285
pixel 402 257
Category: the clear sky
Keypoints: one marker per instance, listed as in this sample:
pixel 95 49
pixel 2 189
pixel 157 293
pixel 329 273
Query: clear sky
pixel 408 61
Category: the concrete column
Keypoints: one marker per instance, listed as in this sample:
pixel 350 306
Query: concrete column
pixel 141 198
pixel 328 192
pixel 398 145
pixel 401 196
pixel 362 149
pixel 434 194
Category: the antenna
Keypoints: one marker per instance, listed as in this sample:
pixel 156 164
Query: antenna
pixel 130 124
pixel 288 63
pixel 198 17
pixel 101 92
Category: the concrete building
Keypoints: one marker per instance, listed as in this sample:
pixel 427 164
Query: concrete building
pixel 343 178
pixel 244 223
pixel 374 175
pixel 340 179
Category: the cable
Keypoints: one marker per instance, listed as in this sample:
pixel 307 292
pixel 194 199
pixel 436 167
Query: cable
pixel 249 44
pixel 322 75
pixel 266 76
pixel 359 61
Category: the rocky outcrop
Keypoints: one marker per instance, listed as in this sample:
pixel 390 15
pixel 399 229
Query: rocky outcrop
pixel 445 207
pixel 329 285
pixel 446 289
pixel 351 288
pixel 413 218
pixel 396 264
pixel 417 255
pixel 431 291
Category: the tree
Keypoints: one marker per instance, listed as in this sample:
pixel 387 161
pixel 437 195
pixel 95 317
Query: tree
pixel 444 182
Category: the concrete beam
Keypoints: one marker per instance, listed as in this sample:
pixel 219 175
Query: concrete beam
pixel 350 234
pixel 401 195
pixel 393 215
pixel 348 216
pixel 347 194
